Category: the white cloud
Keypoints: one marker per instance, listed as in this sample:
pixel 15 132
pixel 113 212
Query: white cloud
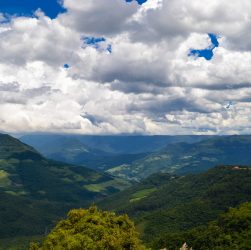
pixel 148 84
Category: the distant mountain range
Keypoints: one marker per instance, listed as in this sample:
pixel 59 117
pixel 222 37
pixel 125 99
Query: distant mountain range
pixel 184 158
pixel 165 204
pixel 101 152
pixel 36 191
pixel 133 158
pixel 118 144
pixel 72 150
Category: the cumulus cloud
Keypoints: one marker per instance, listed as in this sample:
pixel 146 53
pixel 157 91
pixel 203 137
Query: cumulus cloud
pixel 146 83
pixel 98 17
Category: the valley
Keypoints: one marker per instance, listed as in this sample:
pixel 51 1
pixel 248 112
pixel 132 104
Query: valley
pixel 170 193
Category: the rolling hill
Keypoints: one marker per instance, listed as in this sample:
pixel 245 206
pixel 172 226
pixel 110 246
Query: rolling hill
pixel 164 204
pixel 35 191
pixel 183 158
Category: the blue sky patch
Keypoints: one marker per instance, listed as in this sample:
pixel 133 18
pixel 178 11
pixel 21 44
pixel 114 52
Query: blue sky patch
pixel 140 2
pixel 98 43
pixel 27 7
pixel 66 66
pixel 214 40
pixel 208 52
pixel 94 41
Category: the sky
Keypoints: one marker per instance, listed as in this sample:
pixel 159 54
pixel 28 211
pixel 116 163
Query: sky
pixel 127 67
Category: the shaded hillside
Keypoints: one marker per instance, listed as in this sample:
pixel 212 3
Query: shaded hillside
pixel 34 189
pixel 183 158
pixel 232 230
pixel 166 204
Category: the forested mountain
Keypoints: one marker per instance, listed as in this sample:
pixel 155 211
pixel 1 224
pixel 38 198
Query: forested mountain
pixel 165 204
pixel 101 152
pixel 184 158
pixel 36 191
pixel 129 157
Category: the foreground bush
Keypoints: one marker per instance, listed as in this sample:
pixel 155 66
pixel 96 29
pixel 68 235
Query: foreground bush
pixel 87 229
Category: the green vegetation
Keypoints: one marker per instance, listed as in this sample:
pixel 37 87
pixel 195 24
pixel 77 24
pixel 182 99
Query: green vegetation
pixel 101 187
pixel 142 194
pixel 4 179
pixel 18 243
pixel 36 192
pixel 168 209
pixel 184 158
pixel 232 230
pixel 182 203
pixel 92 229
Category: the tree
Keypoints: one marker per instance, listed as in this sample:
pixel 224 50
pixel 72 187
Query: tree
pixel 92 229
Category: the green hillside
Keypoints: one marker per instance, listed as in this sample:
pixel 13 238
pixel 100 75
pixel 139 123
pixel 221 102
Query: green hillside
pixel 95 229
pixel 231 230
pixel 35 192
pixel 165 204
pixel 184 158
